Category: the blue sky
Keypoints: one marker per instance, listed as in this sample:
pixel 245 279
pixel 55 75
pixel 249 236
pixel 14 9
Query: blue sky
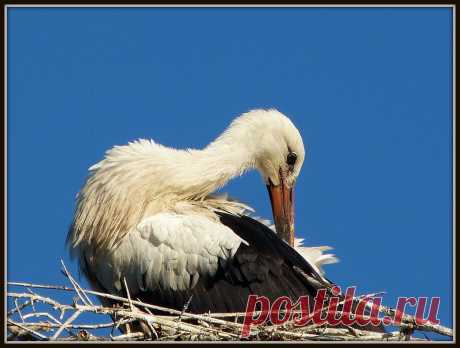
pixel 369 89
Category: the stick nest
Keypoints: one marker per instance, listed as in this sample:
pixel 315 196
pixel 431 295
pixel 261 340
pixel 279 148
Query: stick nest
pixel 61 313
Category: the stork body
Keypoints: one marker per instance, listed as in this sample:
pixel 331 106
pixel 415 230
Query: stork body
pixel 147 214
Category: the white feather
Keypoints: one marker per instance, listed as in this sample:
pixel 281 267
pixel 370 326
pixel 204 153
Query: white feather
pixel 147 208
pixel 314 254
pixel 143 178
pixel 158 247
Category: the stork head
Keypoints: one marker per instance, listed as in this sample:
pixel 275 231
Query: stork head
pixel 278 155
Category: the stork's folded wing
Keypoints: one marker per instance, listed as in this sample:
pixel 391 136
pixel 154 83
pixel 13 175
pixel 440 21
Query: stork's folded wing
pixel 170 258
pixel 168 252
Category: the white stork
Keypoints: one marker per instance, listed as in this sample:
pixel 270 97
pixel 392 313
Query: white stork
pixel 147 214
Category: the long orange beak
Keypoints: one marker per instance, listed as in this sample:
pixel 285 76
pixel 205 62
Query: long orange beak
pixel 282 200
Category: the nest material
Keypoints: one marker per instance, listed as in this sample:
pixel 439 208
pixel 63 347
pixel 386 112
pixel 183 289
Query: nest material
pixel 34 316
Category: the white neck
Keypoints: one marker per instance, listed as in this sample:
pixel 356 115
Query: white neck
pixel 143 178
pixel 192 174
pixel 211 168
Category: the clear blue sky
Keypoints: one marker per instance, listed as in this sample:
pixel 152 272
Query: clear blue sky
pixel 369 89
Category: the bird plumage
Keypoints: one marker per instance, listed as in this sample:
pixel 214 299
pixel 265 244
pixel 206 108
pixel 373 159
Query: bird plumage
pixel 216 270
pixel 147 214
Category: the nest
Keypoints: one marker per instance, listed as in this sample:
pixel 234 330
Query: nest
pixel 73 314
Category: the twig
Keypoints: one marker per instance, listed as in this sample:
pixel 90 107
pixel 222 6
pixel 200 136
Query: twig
pixel 67 323
pixel 128 294
pixel 129 336
pixel 151 328
pixel 185 325
pixel 18 310
pixel 41 286
pixel 24 327
pixel 406 318
pixel 85 299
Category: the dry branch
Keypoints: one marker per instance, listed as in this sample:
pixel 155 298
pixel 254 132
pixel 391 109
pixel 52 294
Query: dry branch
pixel 33 316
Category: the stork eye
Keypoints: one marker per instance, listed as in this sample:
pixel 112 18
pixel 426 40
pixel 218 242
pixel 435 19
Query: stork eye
pixel 291 158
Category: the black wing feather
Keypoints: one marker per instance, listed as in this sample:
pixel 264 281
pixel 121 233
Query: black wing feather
pixel 264 267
